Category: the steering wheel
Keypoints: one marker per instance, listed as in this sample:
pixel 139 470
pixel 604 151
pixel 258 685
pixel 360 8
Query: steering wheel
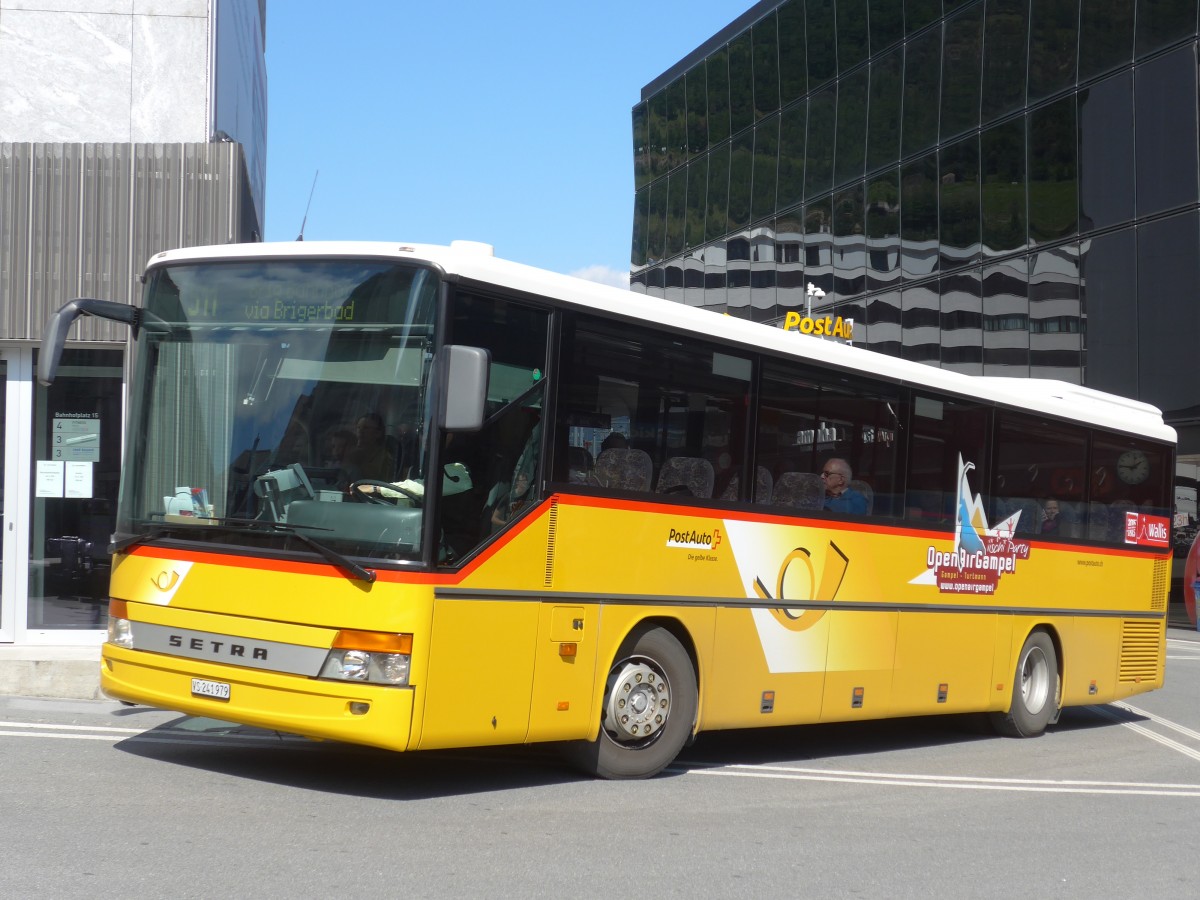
pixel 362 496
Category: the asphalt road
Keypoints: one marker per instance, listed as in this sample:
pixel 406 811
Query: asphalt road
pixel 101 800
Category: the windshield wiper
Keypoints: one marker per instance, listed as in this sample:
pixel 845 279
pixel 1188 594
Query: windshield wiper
pixel 343 562
pixel 157 530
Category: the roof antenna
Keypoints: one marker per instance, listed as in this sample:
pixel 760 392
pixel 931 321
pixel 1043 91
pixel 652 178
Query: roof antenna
pixel 309 206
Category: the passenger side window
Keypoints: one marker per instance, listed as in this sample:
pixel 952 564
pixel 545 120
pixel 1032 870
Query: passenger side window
pixel 1126 475
pixel 1039 476
pixel 943 431
pixel 643 411
pixel 822 437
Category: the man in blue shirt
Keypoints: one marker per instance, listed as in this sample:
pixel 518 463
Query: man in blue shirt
pixel 839 496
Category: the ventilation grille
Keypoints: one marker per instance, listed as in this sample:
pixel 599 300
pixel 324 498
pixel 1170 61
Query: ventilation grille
pixel 552 522
pixel 1140 653
pixel 1158 593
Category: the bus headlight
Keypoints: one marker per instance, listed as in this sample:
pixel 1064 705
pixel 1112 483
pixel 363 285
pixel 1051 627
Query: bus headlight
pixel 120 631
pixel 368 656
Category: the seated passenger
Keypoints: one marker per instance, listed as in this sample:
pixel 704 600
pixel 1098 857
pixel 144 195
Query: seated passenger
pixel 839 496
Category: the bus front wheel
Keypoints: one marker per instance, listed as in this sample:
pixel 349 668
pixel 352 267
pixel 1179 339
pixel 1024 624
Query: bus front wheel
pixel 1034 691
pixel 649 709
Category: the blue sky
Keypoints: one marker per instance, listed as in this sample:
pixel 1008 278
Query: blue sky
pixel 502 123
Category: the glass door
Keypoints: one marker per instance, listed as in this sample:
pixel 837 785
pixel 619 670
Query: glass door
pixel 75 444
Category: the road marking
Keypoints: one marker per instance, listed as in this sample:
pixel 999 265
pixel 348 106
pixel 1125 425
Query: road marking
pixel 153 735
pixel 951 782
pixel 71 727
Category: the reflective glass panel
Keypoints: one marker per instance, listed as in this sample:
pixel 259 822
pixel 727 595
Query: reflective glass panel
pixel 641 208
pixel 766 66
pixel 791 155
pixel 1053 39
pixel 851 144
pixel 741 170
pixel 1055 318
pixel 849 242
pixel 1167 332
pixel 851 33
pixel 657 131
pixel 919 216
pixel 641 159
pixel 676 211
pixel 960 71
pixel 959 180
pixel 1006 318
pixel 1106 139
pixel 887 23
pixel 741 83
pixel 656 222
pixel 789 258
pixel 696 196
pixel 1006 27
pixel 883 323
pixel 717 219
pixel 766 165
pixel 697 111
pixel 676 124
pixel 919 13
pixel 1105 36
pixel 1108 286
pixel 762 273
pixel 818 244
pixel 717 81
pixel 1165 112
pixel 921 322
pixel 1002 200
pixel 883 230
pixel 922 76
pixel 962 323
pixel 822 41
pixel 818 171
pixel 793 60
pixel 1162 22
pixel 1053 189
pixel 883 132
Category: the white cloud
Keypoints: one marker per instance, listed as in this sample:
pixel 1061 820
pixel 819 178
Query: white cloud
pixel 603 275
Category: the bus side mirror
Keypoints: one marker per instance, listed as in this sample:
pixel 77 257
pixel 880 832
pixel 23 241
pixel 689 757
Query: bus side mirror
pixel 60 323
pixel 464 377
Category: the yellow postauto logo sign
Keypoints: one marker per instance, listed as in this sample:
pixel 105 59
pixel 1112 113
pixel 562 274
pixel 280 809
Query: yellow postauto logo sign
pixel 822 326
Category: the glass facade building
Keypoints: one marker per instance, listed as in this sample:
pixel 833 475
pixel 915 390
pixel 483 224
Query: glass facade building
pixel 999 187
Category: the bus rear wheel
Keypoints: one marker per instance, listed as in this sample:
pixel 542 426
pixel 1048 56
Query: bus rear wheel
pixel 650 700
pixel 1034 692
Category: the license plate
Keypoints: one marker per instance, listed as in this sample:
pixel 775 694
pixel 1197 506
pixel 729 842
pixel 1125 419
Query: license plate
pixel 218 690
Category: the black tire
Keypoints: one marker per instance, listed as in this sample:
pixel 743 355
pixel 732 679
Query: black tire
pixel 651 692
pixel 1035 691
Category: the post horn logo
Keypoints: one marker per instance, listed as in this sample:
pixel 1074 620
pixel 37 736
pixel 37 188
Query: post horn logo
pixel 798 582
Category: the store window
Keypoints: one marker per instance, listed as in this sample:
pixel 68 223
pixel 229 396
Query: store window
pixel 76 444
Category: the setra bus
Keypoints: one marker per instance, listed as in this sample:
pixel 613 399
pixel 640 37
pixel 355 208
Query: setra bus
pixel 419 497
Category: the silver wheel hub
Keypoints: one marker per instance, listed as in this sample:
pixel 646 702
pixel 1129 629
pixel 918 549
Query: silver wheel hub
pixel 1035 680
pixel 638 701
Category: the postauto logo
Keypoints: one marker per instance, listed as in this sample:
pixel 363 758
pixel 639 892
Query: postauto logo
pixel 694 539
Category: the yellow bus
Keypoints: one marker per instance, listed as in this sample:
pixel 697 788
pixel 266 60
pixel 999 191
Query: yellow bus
pixel 645 520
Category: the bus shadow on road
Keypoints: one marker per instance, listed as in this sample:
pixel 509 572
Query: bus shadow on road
pixel 292 761
pixel 327 766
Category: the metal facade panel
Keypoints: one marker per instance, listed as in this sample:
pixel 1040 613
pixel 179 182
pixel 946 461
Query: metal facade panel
pixel 81 220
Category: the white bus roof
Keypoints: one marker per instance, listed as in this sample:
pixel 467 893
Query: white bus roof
pixel 474 261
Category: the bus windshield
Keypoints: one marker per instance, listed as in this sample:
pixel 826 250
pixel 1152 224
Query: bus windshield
pixel 267 394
